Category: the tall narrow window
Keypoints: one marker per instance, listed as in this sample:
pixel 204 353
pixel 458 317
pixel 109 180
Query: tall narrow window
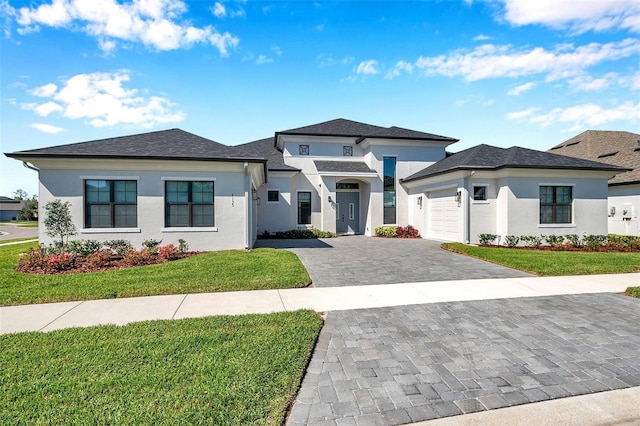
pixel 111 203
pixel 189 204
pixel 555 204
pixel 389 165
pixel 304 208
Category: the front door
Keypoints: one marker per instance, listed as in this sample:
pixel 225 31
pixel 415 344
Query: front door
pixel 347 212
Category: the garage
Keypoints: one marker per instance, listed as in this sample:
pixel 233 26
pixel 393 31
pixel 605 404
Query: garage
pixel 443 215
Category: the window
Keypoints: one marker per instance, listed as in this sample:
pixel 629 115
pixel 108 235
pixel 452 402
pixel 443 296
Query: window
pixel 347 151
pixel 555 204
pixel 111 203
pixel 273 196
pixel 189 204
pixel 303 150
pixel 304 208
pixel 480 193
pixel 348 185
pixel 389 196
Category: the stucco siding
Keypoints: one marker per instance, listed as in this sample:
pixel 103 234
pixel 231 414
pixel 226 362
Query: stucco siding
pixel 231 223
pixel 626 201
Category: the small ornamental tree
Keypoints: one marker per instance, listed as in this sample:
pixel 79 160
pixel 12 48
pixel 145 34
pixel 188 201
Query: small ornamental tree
pixel 58 222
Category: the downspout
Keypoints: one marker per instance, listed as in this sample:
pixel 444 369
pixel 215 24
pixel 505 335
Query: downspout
pixel 30 167
pixel 467 222
pixel 248 200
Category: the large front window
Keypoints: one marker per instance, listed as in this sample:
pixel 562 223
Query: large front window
pixel 555 204
pixel 389 165
pixel 304 208
pixel 189 204
pixel 111 203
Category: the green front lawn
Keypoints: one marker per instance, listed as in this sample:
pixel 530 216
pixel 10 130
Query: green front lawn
pixel 544 262
pixel 207 272
pixel 216 370
pixel 22 223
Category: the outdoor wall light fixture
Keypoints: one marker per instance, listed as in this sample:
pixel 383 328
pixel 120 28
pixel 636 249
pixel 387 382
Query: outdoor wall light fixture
pixel 329 198
pixel 459 197
pixel 420 201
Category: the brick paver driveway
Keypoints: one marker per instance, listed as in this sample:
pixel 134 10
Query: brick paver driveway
pixel 405 364
pixel 360 260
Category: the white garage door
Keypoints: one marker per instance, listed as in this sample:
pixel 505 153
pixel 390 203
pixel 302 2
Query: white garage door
pixel 443 215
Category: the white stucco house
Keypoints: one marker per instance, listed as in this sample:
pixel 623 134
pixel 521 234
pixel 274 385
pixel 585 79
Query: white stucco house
pixel 621 149
pixel 340 176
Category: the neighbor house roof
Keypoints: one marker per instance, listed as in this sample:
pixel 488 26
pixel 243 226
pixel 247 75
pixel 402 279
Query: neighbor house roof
pixel 612 147
pixel 264 148
pixel 165 144
pixel 487 157
pixel 347 167
pixel 349 128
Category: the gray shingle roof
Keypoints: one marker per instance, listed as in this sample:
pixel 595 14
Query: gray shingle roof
pixel 349 128
pixel 612 147
pixel 264 148
pixel 165 144
pixel 342 166
pixel 493 158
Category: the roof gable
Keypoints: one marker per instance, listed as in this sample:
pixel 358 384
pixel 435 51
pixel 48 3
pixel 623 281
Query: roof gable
pixel 494 158
pixel 612 147
pixel 264 148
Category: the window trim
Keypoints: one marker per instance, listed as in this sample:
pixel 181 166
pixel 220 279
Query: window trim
pixel 571 204
pixel 298 208
pixel 273 190
pixel 484 200
pixel 112 204
pixel 395 189
pixel 167 227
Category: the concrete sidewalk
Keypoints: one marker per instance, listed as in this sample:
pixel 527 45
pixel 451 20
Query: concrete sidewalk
pixel 53 316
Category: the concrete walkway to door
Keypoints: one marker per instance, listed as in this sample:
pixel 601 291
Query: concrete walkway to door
pixel 360 260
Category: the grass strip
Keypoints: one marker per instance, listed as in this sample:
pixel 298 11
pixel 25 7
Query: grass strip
pixel 231 270
pixel 217 370
pixel 633 291
pixel 547 263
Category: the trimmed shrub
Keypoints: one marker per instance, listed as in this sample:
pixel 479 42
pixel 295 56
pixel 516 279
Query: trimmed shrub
pixel 386 231
pixel 531 241
pixel 511 241
pixel 554 240
pixel 594 242
pixel 119 247
pixel 82 247
pixel 574 240
pixel 487 239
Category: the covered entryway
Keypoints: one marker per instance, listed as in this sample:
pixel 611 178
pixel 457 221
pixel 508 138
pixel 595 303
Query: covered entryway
pixel 443 215
pixel 347 212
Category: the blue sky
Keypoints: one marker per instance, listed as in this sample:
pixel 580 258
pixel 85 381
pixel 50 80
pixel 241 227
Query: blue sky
pixel 501 72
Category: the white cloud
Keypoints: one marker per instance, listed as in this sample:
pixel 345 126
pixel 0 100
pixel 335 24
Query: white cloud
pixel 238 13
pixel 367 67
pixel 47 128
pixel 319 27
pixel 102 100
pixel 218 10
pixel 581 116
pixel 154 23
pixel 327 60
pixel 398 68
pixel 521 88
pixel 45 91
pixel 518 115
pixel 276 50
pixel 481 37
pixel 595 15
pixel 635 81
pixel 492 61
pixel 588 83
pixel 262 59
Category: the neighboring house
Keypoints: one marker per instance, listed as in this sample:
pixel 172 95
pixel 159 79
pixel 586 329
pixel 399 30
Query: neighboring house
pixel 340 176
pixel 10 208
pixel 621 149
pixel 514 191
pixel 163 185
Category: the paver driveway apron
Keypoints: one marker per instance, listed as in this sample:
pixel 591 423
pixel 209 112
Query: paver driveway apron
pixel 360 260
pixel 398 365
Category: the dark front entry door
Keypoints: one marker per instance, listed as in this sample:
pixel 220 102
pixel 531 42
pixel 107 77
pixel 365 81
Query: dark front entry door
pixel 347 213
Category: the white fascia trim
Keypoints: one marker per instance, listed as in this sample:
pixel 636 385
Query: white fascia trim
pixel 110 231
pixel 343 174
pixel 102 177
pixel 190 178
pixel 189 229
pixel 440 187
